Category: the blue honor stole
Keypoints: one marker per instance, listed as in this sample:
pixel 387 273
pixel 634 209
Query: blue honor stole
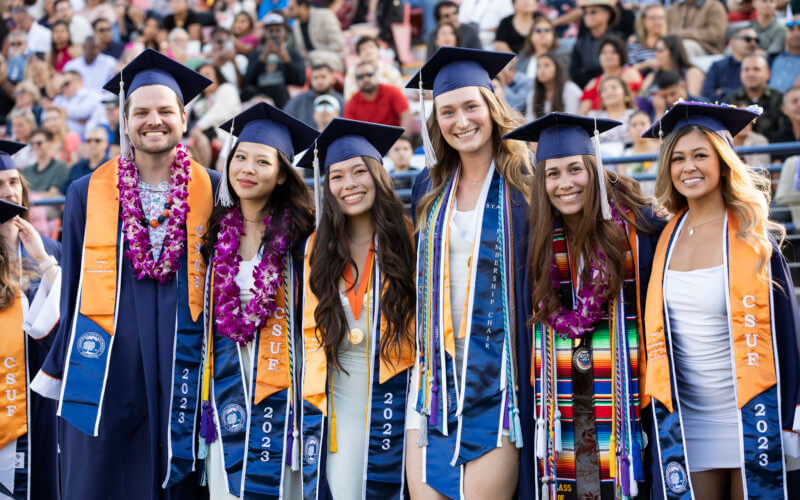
pixel 384 453
pixel 257 436
pixel 464 416
pixel 752 344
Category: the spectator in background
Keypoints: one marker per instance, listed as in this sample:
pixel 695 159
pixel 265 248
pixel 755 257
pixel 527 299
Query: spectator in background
pixel 724 76
pixel 98 9
pixel 63 50
pixel 243 29
pixel 651 25
pixel 786 65
pixel 791 109
pixel 6 90
pixel 179 46
pixel 639 123
pixel 79 27
pixel 225 11
pixel 66 142
pixel 771 32
pixel 445 35
pixel 181 16
pixel 317 34
pixel 94 154
pixel 400 155
pixel 747 137
pixel 27 98
pixel 670 56
pixel 38 35
pixel 700 24
pixel 788 191
pixel 447 12
pixel 368 50
pixel 274 65
pixel 105 38
pixel 302 105
pixel 81 104
pixel 512 30
pixel 153 34
pixel 47 174
pixel 616 103
pixel 754 90
pixel 221 51
pixel 598 17
pixel 218 103
pixel 552 90
pixel 23 124
pixel 17 55
pixel 516 86
pixel 670 88
pixel 540 40
pixel 111 105
pixel 613 57
pixel 377 102
pixel 94 67
pixel 326 108
pixel 39 71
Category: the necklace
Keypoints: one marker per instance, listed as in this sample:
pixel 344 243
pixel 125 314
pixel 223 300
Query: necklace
pixel 692 228
pixel 134 223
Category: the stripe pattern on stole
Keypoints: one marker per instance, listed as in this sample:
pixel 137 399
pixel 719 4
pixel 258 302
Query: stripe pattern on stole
pixel 94 322
pixel 749 299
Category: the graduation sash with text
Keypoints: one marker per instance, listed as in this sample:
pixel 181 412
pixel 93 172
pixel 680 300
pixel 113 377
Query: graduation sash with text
pixel 95 321
pixel 384 453
pixel 749 299
pixel 14 411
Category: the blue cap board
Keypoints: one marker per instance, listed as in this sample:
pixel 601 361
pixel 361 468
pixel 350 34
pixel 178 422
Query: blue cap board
pixel 452 68
pixel 8 148
pixel 266 124
pixel 344 139
pixel 153 68
pixel 9 210
pixel 722 119
pixel 562 134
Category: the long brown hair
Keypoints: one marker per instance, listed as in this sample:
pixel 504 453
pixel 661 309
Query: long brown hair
pixel 745 191
pixel 592 236
pixel 293 194
pixel 540 93
pixel 511 157
pixel 9 287
pixel 395 254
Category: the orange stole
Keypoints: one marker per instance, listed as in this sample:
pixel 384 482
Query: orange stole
pixel 99 267
pixel 749 311
pixel 12 347
pixel 272 374
pixel 316 363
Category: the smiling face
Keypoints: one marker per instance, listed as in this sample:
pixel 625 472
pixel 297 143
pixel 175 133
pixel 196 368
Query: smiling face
pixel 612 93
pixel 542 35
pixel 352 186
pixel 609 58
pixel 464 119
pixel 445 36
pixel 254 171
pixel 565 183
pixel 155 122
pixel 694 167
pixel 11 186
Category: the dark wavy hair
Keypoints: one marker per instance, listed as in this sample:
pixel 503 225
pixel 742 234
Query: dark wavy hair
pixel 539 91
pixel 594 234
pixel 395 254
pixel 293 194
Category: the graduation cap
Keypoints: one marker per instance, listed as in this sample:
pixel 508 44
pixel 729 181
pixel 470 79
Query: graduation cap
pixel 343 139
pixel 10 210
pixel 266 124
pixel 562 134
pixel 451 68
pixel 8 148
pixel 153 68
pixel 722 119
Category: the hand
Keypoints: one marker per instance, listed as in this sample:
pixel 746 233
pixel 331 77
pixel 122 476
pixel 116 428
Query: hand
pixel 31 240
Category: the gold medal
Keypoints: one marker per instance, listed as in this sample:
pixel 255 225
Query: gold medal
pixel 355 336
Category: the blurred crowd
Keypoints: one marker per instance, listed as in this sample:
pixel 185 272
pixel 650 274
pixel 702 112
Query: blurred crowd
pixel 627 61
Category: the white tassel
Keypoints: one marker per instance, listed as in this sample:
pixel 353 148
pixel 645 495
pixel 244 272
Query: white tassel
pixel 557 431
pixel 517 429
pixel 422 442
pixel 223 193
pixel 601 176
pixel 634 486
pixel 124 146
pixel 540 438
pixel 202 449
pixel 295 450
pixel 317 188
pixel 427 145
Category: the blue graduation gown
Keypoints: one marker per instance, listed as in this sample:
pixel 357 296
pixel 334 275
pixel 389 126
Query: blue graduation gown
pixel 524 309
pixel 128 459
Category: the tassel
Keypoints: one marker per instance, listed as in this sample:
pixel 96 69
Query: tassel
pixel 317 189
pixel 624 479
pixel 612 462
pixel 208 429
pixel 333 446
pixel 204 478
pixel 223 193
pixel 601 176
pixel 427 145
pixel 295 450
pixel 636 461
pixel 202 449
pixel 124 146
pixel 517 429
pixel 540 438
pixel 435 406
pixel 557 431
pixel 422 442
pixel 632 486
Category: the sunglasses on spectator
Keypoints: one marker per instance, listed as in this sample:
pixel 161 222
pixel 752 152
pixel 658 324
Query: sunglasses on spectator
pixel 15 44
pixel 749 39
pixel 103 30
pixel 592 12
pixel 365 75
pixel 94 139
pixel 794 23
pixel 542 30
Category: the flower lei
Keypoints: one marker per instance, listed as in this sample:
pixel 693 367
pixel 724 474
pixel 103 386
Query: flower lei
pixel 590 299
pixel 136 235
pixel 232 321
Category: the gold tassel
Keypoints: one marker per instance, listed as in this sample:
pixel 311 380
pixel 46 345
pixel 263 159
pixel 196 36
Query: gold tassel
pixel 332 441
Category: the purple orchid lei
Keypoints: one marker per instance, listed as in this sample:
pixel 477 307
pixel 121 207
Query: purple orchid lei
pixel 136 235
pixel 590 299
pixel 234 322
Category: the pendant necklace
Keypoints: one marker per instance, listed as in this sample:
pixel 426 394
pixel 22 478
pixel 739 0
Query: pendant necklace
pixel 692 228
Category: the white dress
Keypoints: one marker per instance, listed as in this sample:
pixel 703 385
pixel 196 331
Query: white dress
pixel 701 346
pixel 215 462
pixel 344 469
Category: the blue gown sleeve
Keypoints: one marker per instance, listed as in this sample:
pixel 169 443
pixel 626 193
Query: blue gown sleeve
pixel 422 184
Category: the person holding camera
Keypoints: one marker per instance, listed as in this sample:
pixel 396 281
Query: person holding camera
pixel 274 65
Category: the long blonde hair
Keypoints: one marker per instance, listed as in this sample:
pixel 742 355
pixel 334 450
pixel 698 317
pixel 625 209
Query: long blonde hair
pixel 746 192
pixel 511 157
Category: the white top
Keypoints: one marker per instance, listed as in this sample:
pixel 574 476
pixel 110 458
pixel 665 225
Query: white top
pixel 701 347
pixel 94 75
pixel 463 226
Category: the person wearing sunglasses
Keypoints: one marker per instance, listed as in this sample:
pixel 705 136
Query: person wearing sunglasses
pixel 94 152
pixel 786 65
pixel 723 76
pixel 377 102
